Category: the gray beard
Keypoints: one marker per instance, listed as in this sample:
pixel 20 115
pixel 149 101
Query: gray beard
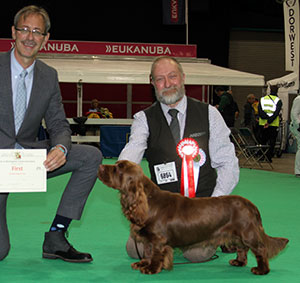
pixel 170 98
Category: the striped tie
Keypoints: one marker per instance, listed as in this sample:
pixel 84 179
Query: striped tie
pixel 21 101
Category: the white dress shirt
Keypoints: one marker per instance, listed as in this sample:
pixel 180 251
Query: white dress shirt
pixel 221 150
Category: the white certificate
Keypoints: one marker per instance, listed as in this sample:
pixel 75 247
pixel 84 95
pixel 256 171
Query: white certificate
pixel 22 170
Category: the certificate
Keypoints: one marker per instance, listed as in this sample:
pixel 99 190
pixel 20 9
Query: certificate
pixel 22 170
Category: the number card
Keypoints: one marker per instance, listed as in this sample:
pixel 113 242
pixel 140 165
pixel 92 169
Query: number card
pixel 165 173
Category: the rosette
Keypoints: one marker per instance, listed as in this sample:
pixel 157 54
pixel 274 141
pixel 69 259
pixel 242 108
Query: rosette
pixel 187 149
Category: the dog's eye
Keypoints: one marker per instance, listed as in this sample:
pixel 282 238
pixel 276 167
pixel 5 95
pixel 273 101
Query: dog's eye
pixel 121 165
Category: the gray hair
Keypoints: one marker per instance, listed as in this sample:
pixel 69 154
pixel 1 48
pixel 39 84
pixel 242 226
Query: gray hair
pixel 250 95
pixel 32 9
pixel 164 58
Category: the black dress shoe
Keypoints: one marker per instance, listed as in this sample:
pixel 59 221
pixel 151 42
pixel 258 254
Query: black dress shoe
pixel 57 246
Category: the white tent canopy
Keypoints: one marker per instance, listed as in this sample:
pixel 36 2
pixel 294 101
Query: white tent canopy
pixel 136 71
pixel 286 84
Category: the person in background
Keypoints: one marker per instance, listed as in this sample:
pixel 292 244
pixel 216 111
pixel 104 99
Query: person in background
pixel 98 112
pixel 151 134
pixel 30 93
pixel 235 107
pixel 249 116
pixel 227 106
pixel 268 110
pixel 295 129
pixel 256 127
pixel 255 107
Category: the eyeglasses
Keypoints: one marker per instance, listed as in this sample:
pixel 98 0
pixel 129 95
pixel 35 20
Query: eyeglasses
pixel 35 32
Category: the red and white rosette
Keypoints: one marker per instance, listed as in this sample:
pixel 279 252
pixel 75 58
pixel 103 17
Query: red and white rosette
pixel 187 149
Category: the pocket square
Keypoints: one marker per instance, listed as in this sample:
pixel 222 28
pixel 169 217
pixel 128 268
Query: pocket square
pixel 197 135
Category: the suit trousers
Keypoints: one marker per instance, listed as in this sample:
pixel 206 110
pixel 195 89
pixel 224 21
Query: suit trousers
pixel 83 161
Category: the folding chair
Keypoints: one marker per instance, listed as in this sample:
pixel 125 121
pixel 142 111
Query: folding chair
pixel 253 151
pixel 239 144
pixel 242 149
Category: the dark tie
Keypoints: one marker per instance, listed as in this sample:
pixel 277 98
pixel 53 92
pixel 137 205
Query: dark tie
pixel 174 126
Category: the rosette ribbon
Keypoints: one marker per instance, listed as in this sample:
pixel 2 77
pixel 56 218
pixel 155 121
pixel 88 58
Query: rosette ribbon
pixel 187 149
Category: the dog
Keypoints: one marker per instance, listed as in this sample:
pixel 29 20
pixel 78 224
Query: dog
pixel 162 220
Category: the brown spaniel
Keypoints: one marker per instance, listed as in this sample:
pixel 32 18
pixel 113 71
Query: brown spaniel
pixel 164 220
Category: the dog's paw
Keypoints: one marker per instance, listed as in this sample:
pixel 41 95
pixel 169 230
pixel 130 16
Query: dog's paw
pixel 235 262
pixel 257 271
pixel 135 265
pixel 145 266
pixel 138 265
pixel 150 269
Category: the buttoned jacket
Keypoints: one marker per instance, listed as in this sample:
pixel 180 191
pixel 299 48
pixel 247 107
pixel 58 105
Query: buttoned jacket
pixel 45 103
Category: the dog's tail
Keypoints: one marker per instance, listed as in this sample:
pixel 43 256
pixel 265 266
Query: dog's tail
pixel 274 245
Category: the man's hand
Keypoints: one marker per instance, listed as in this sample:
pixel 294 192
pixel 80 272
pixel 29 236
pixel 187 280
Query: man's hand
pixel 55 159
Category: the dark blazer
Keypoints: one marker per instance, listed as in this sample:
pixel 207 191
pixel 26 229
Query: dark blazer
pixel 45 103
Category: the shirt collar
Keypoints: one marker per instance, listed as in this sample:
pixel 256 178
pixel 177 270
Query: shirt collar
pixel 181 106
pixel 16 67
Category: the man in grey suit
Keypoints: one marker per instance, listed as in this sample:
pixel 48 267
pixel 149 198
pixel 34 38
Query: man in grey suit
pixel 43 101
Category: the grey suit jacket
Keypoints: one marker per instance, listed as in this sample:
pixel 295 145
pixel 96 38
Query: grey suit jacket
pixel 45 103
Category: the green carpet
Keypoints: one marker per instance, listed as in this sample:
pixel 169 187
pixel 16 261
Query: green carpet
pixel 103 231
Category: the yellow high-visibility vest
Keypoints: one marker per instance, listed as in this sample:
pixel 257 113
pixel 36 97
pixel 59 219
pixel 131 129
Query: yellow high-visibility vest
pixel 268 104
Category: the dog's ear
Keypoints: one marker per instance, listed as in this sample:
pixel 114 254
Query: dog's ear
pixel 134 202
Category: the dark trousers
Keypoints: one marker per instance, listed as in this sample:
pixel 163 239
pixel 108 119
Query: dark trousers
pixel 269 136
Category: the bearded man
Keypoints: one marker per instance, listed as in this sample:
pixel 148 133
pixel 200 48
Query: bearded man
pixel 152 134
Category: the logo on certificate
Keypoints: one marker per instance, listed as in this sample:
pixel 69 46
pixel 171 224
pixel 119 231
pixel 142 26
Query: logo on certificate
pixel 18 155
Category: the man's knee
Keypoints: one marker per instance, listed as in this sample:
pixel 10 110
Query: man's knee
pixel 90 153
pixel 96 154
pixel 133 249
pixel 4 252
pixel 199 253
pixel 4 235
